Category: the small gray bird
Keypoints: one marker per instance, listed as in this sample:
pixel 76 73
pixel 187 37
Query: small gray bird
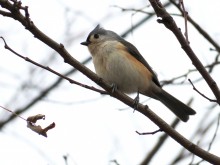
pixel 119 62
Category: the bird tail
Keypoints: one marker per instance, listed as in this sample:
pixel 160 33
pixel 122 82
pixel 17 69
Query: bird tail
pixel 181 110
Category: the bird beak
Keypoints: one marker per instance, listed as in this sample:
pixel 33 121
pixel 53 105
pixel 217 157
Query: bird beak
pixel 86 43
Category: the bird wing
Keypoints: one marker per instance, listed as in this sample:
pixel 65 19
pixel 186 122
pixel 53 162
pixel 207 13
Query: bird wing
pixel 134 52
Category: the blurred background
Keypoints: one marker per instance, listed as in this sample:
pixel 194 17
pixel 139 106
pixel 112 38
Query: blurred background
pixel 95 129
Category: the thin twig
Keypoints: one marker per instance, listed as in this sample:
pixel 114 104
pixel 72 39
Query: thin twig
pixel 211 100
pixel 6 14
pixel 215 134
pixel 211 142
pixel 15 114
pixel 199 28
pixel 185 15
pixel 148 133
pixel 134 10
pixel 159 143
pixel 53 71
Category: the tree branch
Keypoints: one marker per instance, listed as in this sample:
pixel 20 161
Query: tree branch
pixel 170 24
pixel 211 100
pixel 158 144
pixel 51 70
pixel 200 30
pixel 47 90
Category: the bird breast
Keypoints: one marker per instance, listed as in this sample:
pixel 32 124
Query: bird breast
pixel 115 65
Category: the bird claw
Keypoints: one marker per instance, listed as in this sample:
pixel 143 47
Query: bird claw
pixel 114 87
pixel 136 101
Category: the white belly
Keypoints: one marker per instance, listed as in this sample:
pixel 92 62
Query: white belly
pixel 119 70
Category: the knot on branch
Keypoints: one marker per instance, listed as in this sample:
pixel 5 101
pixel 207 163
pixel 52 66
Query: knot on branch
pixel 167 20
pixel 15 13
pixel 17 6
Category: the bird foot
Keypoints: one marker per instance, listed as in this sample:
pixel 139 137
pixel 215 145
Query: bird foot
pixel 114 87
pixel 136 101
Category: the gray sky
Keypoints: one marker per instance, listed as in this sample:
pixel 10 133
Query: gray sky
pixel 90 128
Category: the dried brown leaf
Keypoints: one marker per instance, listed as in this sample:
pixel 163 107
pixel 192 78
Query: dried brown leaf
pixel 31 120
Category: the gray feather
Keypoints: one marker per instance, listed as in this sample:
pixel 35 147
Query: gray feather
pixel 177 107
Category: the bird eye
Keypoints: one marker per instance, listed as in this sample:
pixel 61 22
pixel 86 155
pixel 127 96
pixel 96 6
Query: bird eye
pixel 96 36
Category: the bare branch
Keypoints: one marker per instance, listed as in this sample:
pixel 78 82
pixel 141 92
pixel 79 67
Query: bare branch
pixel 148 133
pixel 134 10
pixel 53 71
pixel 157 146
pixel 170 24
pixel 184 76
pixel 46 91
pixel 6 14
pixel 13 113
pixel 215 133
pixel 200 30
pixel 115 162
pixel 213 138
pixel 211 100
pixel 31 120
pixel 185 15
pixel 200 132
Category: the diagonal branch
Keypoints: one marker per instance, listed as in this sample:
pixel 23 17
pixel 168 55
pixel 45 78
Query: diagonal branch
pixel 42 94
pixel 170 24
pixel 158 145
pixel 47 90
pixel 200 30
pixel 211 100
pixel 51 70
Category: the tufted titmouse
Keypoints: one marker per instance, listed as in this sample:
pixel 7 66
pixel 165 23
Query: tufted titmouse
pixel 119 62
